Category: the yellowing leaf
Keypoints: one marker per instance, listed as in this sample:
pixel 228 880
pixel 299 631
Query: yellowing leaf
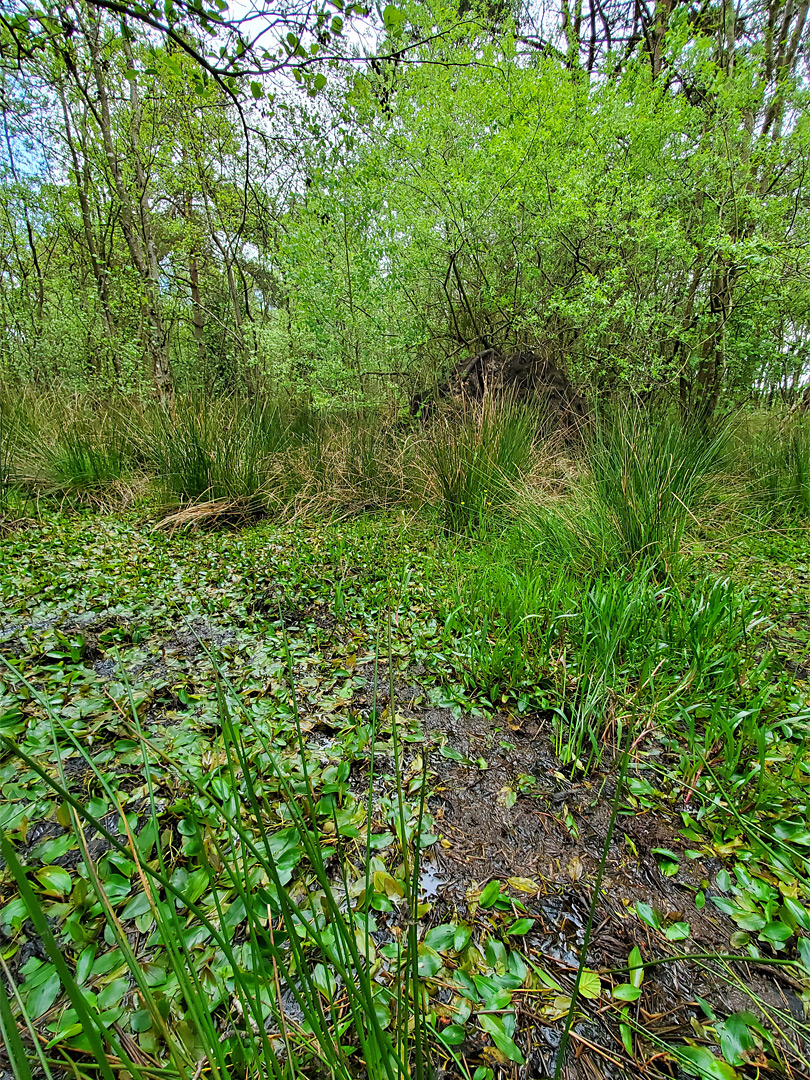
pixel 523 884
pixel 590 986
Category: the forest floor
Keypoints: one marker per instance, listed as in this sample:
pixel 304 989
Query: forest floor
pixel 119 645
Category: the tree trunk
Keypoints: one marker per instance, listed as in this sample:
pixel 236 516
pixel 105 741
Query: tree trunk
pixel 81 173
pixel 135 220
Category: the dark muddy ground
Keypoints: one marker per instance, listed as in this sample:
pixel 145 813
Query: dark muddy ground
pixel 554 834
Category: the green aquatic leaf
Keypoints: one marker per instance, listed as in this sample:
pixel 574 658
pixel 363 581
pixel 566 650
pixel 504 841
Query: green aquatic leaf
pixel 590 985
pixel 490 894
pixel 461 937
pixel 635 965
pixel 699 1061
pixel 678 931
pixel 520 927
pixel 495 1029
pixel 54 880
pixel 429 963
pixel 735 1039
pixel 648 915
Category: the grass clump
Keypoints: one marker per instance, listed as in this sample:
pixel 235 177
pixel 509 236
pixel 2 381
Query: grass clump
pixel 690 656
pixel 645 480
pixel 474 456
pixel 71 447
pixel 653 474
pixel 354 463
pixel 225 448
pixel 8 429
pixel 776 458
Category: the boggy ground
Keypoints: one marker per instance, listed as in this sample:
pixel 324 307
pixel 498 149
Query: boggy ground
pixel 102 614
pixel 510 812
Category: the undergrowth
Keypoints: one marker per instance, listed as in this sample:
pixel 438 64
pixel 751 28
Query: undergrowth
pixel 216 806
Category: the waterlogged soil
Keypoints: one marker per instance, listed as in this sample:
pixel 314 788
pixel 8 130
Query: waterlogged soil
pixel 503 806
pixel 554 837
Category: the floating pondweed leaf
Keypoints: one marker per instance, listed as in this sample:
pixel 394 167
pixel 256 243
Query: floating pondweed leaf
pixel 489 894
pixel 668 862
pixel 54 881
pixel 636 966
pixel 495 1027
pixel 701 1062
pixel 520 927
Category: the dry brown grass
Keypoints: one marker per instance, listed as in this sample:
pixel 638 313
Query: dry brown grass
pixel 211 514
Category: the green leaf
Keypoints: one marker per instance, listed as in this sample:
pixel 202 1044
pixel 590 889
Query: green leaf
pixel 590 985
pixel 453 755
pixel 520 927
pixel 803 947
pixel 461 938
pixel 15 1049
pixel 52 849
pixel 441 938
pixel 319 82
pixel 777 933
pixel 648 915
pixel 668 867
pixel 735 1039
pixel 324 981
pixel 138 905
pixel 627 992
pixel 112 994
pixel 701 1062
pixel 495 954
pixel 54 880
pixel 39 994
pixel 748 920
pixel 140 1020
pixel 635 964
pixel 430 963
pixel 84 965
pixel 494 1028
pixel 393 17
pixel 798 912
pixel 679 931
pixel 453 1034
pixel 626 1033
pixel 490 894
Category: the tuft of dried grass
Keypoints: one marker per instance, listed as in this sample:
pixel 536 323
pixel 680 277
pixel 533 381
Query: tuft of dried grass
pixel 354 468
pixel 212 514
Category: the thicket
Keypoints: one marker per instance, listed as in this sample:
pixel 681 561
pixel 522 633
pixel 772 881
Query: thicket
pixel 638 219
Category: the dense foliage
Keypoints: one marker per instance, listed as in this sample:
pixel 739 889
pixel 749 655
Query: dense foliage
pixel 631 204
